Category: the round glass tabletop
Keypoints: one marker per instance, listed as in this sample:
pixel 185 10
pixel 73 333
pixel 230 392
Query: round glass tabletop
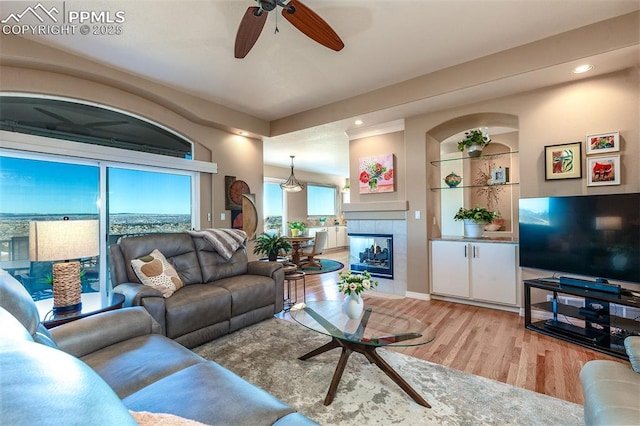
pixel 375 327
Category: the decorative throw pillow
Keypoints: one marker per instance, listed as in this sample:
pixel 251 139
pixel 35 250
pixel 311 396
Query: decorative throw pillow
pixel 145 418
pixel 155 271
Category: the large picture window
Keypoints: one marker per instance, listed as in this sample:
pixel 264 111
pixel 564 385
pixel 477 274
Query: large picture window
pixel 38 190
pixel 145 201
pixel 273 207
pixel 321 200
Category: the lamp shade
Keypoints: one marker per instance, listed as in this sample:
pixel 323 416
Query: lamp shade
pixel 63 240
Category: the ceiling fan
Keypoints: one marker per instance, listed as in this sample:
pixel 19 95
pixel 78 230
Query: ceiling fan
pixel 302 17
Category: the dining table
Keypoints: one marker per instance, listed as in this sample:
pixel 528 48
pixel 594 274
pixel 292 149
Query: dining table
pixel 296 247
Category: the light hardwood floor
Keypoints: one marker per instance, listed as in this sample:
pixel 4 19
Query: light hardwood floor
pixel 487 342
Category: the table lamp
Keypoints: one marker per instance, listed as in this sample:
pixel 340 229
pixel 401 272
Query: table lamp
pixel 64 240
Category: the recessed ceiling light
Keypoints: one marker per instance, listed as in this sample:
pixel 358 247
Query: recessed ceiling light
pixel 359 122
pixel 582 68
pixel 243 133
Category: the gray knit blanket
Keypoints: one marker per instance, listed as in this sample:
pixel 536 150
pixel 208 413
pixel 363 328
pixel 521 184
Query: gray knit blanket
pixel 225 241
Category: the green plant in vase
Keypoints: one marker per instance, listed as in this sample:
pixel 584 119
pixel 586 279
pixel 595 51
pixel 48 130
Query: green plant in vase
pixel 271 245
pixel 474 220
pixel 474 141
pixel 477 214
pixel 297 228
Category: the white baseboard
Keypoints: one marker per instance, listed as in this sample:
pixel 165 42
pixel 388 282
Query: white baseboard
pixel 419 296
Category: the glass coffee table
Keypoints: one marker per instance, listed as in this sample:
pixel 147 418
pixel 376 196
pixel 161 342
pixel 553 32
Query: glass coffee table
pixel 376 327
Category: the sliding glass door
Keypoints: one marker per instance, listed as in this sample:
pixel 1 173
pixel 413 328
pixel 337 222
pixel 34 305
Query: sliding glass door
pixel 33 189
pixel 147 201
pixel 136 201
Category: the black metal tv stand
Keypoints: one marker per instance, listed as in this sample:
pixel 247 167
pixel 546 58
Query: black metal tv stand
pixel 586 316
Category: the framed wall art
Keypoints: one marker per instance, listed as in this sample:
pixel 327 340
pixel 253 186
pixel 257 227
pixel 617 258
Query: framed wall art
pixel 603 170
pixel 563 161
pixel 499 175
pixel 376 174
pixel 234 189
pixel 603 143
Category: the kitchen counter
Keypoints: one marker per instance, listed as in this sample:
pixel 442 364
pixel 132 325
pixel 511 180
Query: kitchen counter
pixel 490 239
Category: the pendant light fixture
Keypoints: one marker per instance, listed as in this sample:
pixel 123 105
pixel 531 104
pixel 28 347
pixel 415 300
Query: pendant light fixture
pixel 292 184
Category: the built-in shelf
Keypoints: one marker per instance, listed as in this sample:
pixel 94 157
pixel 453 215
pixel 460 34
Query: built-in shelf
pixel 487 156
pixel 474 186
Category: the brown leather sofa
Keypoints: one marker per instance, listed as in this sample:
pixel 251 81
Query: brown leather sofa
pixel 219 296
pixel 612 389
pixel 96 369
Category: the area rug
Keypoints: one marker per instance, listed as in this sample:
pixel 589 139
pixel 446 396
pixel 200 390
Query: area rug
pixel 266 354
pixel 327 266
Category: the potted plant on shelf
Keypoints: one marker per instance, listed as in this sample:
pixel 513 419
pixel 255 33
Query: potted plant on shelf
pixel 271 246
pixel 474 220
pixel 296 228
pixel 473 142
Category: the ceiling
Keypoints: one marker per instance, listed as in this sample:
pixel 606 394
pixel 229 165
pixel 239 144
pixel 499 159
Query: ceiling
pixel 188 45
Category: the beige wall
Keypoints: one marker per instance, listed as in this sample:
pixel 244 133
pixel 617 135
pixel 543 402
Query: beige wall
pixel 554 115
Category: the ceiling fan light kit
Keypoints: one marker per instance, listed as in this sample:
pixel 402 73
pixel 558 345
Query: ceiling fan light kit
pixel 300 16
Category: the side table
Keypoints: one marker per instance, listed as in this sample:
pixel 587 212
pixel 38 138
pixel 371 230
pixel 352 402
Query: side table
pixel 92 303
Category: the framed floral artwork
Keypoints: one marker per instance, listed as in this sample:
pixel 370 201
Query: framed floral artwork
pixel 603 143
pixel 376 174
pixel 603 170
pixel 563 161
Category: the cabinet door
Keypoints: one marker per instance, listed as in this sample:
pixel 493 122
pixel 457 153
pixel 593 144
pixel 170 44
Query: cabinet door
pixel 450 268
pixel 493 272
pixel 341 234
pixel 331 238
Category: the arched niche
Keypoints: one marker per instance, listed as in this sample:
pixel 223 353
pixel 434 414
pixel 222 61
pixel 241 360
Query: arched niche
pixel 473 191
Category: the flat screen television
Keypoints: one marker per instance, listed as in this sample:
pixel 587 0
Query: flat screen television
pixel 596 235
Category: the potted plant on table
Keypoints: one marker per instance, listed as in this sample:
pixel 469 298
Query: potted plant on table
pixel 474 220
pixel 352 285
pixel 473 142
pixel 271 246
pixel 297 228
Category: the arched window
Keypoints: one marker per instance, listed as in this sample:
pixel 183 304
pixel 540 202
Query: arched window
pixel 82 122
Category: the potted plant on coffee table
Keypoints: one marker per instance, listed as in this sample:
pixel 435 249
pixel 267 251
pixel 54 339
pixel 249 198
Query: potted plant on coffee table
pixel 297 228
pixel 271 246
pixel 474 220
pixel 474 141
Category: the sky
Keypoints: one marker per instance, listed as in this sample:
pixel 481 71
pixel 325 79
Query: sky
pixel 45 187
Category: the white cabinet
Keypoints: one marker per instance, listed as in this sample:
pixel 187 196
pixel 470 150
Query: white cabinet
pixel 473 270
pixel 331 238
pixel 342 240
pixel 336 235
pixel 450 268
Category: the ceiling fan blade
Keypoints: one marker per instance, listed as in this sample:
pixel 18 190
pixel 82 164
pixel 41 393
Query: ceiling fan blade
pixel 312 25
pixel 249 30
pixel 52 115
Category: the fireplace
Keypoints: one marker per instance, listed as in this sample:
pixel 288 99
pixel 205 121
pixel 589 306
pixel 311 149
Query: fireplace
pixel 373 253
